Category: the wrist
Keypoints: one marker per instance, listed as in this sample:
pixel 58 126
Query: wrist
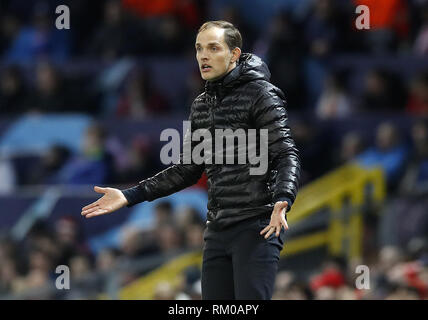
pixel 282 199
pixel 133 195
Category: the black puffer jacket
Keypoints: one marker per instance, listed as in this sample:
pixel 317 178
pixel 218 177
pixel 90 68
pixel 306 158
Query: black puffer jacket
pixel 244 98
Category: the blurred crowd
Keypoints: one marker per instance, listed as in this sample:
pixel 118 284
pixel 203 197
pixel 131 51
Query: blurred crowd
pixel 394 275
pixel 35 56
pixel 30 264
pixel 396 239
pixel 95 68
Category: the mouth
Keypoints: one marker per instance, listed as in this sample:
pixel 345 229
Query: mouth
pixel 206 68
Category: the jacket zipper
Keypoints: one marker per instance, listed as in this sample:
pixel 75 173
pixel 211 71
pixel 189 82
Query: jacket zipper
pixel 213 105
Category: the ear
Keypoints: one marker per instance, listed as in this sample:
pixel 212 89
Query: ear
pixel 236 53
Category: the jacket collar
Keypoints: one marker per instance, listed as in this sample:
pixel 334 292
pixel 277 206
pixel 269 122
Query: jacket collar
pixel 249 67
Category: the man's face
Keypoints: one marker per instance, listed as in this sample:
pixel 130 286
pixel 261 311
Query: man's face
pixel 214 57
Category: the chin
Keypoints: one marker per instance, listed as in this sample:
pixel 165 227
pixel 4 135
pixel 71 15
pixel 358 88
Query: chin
pixel 210 77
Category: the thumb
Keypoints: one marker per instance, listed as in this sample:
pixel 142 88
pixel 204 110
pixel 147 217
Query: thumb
pixel 284 204
pixel 100 190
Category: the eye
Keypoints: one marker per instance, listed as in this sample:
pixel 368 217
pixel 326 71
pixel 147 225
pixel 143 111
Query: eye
pixel 214 49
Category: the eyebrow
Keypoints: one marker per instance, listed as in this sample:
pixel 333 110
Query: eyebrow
pixel 209 43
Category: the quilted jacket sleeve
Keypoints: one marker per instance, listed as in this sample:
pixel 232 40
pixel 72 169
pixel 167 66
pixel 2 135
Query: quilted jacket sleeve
pixel 269 112
pixel 172 179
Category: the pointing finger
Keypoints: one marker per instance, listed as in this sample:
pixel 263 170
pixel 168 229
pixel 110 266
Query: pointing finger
pixel 278 230
pixel 265 229
pixel 89 206
pixel 272 229
pixel 284 222
pixel 96 213
pixel 90 210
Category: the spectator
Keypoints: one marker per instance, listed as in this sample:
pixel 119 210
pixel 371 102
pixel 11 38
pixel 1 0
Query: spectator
pixel 8 276
pixel 132 242
pixel 313 143
pixel 415 180
pixel 169 239
pixel 334 102
pixel 169 36
pixel 421 42
pixel 233 15
pixel 351 146
pixel 406 218
pixel 13 94
pixel 187 11
pixel 40 40
pixel 331 278
pixel 9 28
pixel 49 94
pixel 322 32
pixel 165 291
pixel 107 260
pixel 389 25
pixel 388 153
pixel 417 104
pixel 194 237
pixel 141 162
pixel 324 28
pixel 40 270
pixel 163 214
pixel 140 99
pixel 189 284
pixel 287 287
pixel 69 239
pixel 402 292
pixel 382 93
pixel 188 216
pixel 286 65
pixel 93 166
pixel 50 163
pixel 112 39
pixel 80 267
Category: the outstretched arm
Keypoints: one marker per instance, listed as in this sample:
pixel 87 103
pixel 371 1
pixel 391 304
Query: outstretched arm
pixel 174 178
pixel 166 182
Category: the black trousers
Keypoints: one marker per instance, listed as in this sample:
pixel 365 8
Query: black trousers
pixel 239 263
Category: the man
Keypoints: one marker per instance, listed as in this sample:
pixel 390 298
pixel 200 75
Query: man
pixel 246 213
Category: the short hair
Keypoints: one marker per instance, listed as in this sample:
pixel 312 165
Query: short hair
pixel 232 36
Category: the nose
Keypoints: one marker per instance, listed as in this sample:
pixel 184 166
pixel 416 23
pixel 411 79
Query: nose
pixel 203 56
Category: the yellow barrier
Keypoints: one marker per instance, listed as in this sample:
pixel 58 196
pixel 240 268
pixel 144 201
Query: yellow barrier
pixel 144 287
pixel 347 183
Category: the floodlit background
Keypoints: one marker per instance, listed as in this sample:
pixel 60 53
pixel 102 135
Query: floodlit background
pixel 85 106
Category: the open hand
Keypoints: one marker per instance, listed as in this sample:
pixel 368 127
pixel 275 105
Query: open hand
pixel 277 220
pixel 112 200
